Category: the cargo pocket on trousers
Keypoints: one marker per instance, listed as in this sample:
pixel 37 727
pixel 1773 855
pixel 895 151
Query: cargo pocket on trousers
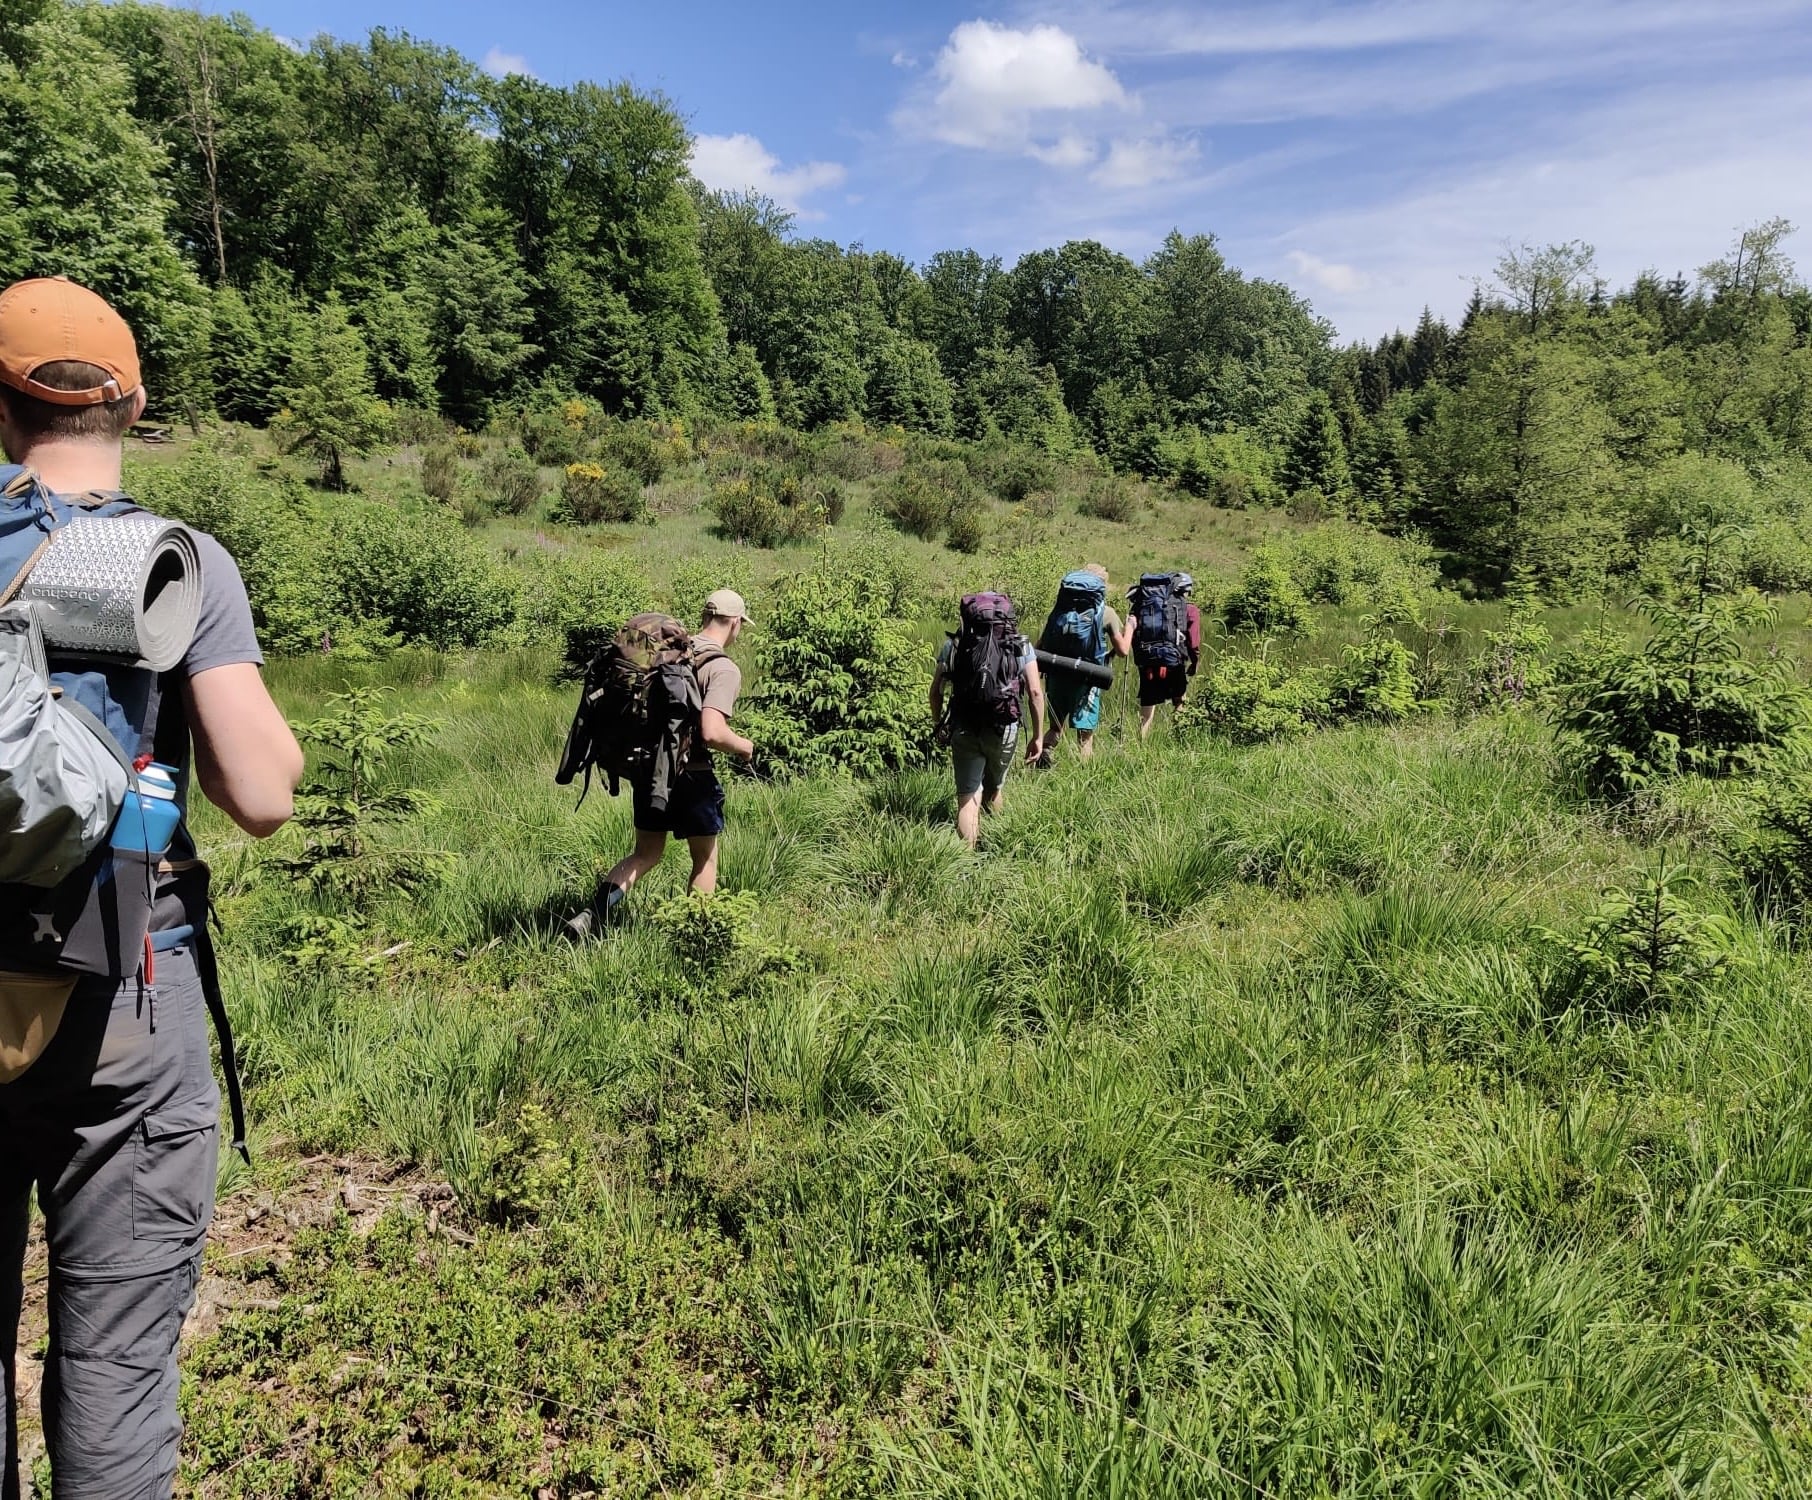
pixel 173 1179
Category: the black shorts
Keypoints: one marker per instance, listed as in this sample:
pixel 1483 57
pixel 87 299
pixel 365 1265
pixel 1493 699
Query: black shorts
pixel 695 807
pixel 1162 685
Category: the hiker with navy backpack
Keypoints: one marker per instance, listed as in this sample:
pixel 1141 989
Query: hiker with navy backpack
pixel 1082 631
pixel 657 700
pixel 1166 641
pixel 985 670
pixel 108 1104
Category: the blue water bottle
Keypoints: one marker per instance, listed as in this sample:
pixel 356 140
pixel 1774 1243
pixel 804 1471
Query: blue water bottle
pixel 149 817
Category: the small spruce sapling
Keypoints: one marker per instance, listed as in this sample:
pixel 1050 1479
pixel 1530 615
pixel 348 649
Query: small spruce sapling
pixel 349 799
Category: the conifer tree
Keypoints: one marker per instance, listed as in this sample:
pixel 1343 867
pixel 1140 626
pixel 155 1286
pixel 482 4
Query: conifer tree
pixel 333 408
pixel 1317 456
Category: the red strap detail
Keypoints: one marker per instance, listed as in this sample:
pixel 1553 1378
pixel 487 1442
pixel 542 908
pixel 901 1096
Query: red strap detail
pixel 150 962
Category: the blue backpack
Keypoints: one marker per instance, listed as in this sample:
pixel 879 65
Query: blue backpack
pixel 95 920
pixel 1077 626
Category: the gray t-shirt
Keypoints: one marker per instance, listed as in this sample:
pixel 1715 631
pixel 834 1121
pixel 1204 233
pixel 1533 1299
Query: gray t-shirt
pixel 224 637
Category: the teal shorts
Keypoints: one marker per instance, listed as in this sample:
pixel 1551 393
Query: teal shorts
pixel 1073 702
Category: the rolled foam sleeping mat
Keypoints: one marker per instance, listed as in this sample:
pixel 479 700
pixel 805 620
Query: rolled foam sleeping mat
pixel 119 586
pixel 1095 673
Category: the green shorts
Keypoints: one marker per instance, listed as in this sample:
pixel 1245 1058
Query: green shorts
pixel 981 758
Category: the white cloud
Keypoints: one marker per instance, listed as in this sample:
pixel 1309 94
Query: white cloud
pixel 1002 88
pixel 1660 181
pixel 500 64
pixel 740 163
pixel 1146 162
pixel 1328 275
pixel 1065 151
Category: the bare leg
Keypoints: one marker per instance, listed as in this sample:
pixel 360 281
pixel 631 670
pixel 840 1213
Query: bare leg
pixel 649 847
pixel 1085 743
pixel 1146 715
pixel 704 864
pixel 968 816
pixel 992 801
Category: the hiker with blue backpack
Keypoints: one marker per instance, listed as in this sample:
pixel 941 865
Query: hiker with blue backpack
pixel 108 1104
pixel 986 669
pixel 1082 631
pixel 1166 641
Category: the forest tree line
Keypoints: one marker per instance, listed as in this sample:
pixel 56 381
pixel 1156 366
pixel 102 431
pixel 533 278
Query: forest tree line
pixel 490 243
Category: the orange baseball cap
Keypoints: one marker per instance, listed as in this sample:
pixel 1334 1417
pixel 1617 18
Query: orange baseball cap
pixel 52 318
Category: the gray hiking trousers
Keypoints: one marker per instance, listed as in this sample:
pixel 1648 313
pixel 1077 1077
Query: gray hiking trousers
pixel 117 1126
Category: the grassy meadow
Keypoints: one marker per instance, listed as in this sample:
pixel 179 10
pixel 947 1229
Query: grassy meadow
pixel 1225 1125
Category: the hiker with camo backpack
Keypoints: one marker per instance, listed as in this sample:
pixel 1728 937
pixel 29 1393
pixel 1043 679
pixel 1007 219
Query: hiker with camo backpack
pixel 108 1104
pixel 985 668
pixel 656 702
pixel 1166 641
pixel 1082 627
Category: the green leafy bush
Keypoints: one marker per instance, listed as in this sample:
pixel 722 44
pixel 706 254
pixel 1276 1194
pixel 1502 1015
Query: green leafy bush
pixel 553 435
pixel 1685 701
pixel 1345 565
pixel 1250 699
pixel 920 499
pixel 1513 666
pixel 696 579
pixel 1267 600
pixel 634 448
pixel 511 480
pixel 1013 473
pixel 842 679
pixel 592 495
pixel 770 508
pixel 415 574
pixel 578 597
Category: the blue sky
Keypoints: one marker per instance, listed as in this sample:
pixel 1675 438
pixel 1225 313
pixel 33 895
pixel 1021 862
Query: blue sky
pixel 1377 155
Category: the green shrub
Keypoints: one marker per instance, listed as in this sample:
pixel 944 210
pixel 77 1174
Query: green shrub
pixel 578 597
pixel 349 801
pixel 511 479
pixel 842 679
pixel 591 495
pixel 1685 701
pixel 1111 498
pixel 440 471
pixel 1267 600
pixel 967 528
pixel 417 575
pixel 1352 566
pixel 552 436
pixel 634 448
pixel 1513 667
pixel 920 499
pixel 770 508
pixel 418 428
pixel 1014 473
pixel 1250 699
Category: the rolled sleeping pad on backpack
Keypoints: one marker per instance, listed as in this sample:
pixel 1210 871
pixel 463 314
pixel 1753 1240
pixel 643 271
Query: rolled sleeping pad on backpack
pixel 1095 673
pixel 118 586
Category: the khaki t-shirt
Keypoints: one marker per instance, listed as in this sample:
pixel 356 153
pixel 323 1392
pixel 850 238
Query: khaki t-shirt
pixel 719 681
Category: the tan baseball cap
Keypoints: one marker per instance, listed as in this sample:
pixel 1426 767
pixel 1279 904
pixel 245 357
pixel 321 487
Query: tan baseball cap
pixel 51 319
pixel 727 604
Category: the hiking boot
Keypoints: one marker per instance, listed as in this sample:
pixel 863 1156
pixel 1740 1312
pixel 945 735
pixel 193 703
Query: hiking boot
pixel 584 924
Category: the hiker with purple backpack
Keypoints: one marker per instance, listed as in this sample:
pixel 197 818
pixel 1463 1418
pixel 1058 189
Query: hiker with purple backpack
pixel 985 668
